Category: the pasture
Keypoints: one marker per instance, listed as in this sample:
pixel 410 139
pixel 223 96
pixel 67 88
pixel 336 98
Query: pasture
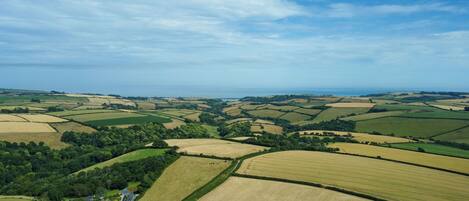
pixel 433 148
pixel 376 115
pixel 409 126
pixel 360 137
pixel 214 147
pixel 131 156
pixel 183 177
pixel 431 160
pixel 351 105
pixel 295 117
pixel 285 108
pixel 334 113
pixel 72 126
pixel 266 113
pixel 269 128
pixel 15 198
pixel 460 136
pixel 239 188
pixel 173 124
pixel 382 179
pixel 41 118
pixel 308 111
pixel 78 112
pixel 102 116
pixel 51 139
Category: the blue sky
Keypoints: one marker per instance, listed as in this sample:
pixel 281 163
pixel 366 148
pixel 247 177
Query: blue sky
pixel 140 47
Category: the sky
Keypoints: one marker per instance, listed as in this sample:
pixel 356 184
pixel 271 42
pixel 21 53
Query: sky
pixel 204 47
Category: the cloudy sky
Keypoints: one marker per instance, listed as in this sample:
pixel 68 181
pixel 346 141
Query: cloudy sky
pixel 154 47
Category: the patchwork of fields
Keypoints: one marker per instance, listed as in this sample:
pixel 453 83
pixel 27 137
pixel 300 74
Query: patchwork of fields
pixel 360 137
pixel 214 147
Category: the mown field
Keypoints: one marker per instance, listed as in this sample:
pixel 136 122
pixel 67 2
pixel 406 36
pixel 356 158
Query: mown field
pixel 383 179
pixel 183 177
pixel 131 156
pixel 72 126
pixel 433 148
pixel 239 188
pixel 431 160
pixel 460 136
pixel 214 147
pixel 410 126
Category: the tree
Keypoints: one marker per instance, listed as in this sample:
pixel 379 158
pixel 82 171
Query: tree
pixel 35 100
pixel 159 144
pixel 420 149
pixel 466 108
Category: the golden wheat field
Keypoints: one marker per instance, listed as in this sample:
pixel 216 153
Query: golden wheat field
pixel 214 147
pixel 367 105
pixel 25 127
pixel 379 178
pixel 361 137
pixel 239 188
pixel 183 177
pixel 51 139
pixel 11 118
pixel 173 124
pixel 42 118
pixel 432 160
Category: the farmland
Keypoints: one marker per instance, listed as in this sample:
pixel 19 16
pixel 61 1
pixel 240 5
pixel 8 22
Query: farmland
pixel 25 127
pixel 51 139
pixel 295 117
pixel 333 113
pixel 214 147
pixel 390 180
pixel 368 116
pixel 132 156
pixel 360 137
pixel 183 177
pixel 433 148
pixel 102 116
pixel 430 160
pixel 41 118
pixel 266 113
pixel 351 105
pixel 410 126
pixel 238 188
pixel 72 126
pixel 460 136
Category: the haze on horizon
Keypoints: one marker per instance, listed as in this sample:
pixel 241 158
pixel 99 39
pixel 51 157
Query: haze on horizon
pixel 144 47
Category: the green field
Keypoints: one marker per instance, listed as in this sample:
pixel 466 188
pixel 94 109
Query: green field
pixel 27 98
pixel 102 116
pixel 460 136
pixel 333 113
pixel 393 107
pixel 439 113
pixel 409 126
pixel 78 112
pixel 367 116
pixel 132 156
pixel 129 121
pixel 295 117
pixel 211 130
pixel 308 111
pixel 266 113
pixel 433 148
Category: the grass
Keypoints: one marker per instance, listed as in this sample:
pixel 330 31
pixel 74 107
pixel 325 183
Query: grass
pixel 460 136
pixel 211 130
pixel 368 116
pixel 308 111
pixel 433 148
pixel 333 113
pixel 360 137
pixel 14 198
pixel 266 113
pixel 25 127
pixel 439 113
pixel 379 178
pixel 431 160
pixel 51 139
pixel 394 107
pixel 129 121
pixel 295 117
pixel 77 112
pixel 409 126
pixel 72 126
pixel 285 108
pixel 259 190
pixel 269 128
pixel 102 116
pixel 183 177
pixel 351 105
pixel 214 147
pixel 131 156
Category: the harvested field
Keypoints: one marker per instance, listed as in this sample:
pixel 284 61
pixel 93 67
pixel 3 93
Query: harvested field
pixel 368 116
pixel 460 136
pixel 72 126
pixel 433 148
pixel 77 112
pixel 10 118
pixel 41 118
pixel 239 188
pixel 214 147
pixel 379 178
pixel 308 111
pixel 193 117
pixel 51 139
pixel 295 117
pixel 183 177
pixel 240 138
pixel 431 160
pixel 146 105
pixel 410 126
pixel 334 113
pixel 173 124
pixel 346 105
pixel 25 127
pixel 250 107
pixel 262 121
pixel 266 113
pixel 131 156
pixel 269 128
pixel 103 116
pixel 360 137
pixel 234 112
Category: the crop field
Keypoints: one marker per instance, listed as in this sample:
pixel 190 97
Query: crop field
pixel 266 113
pixel 333 113
pixel 308 111
pixel 10 118
pixel 234 112
pixel 173 124
pixel 129 120
pixel 72 126
pixel 410 126
pixel 144 105
pixel 131 156
pixel 431 160
pixel 250 107
pixel 214 147
pixel 239 188
pixel 193 116
pixel 183 177
pixel 238 120
pixel 285 108
pixel 12 107
pixel 25 127
pixel 78 112
pixel 41 118
pixel 383 179
pixel 448 107
pixel 460 136
pixel 178 112
pixel 433 148
pixel 439 113
pixel 103 116
pixel 51 139
pixel 360 137
pixel 368 116
pixel 393 107
pixel 269 128
pixel 295 117
pixel 348 105
pixel 15 198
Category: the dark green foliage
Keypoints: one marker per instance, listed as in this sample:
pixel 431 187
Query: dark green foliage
pixel 375 110
pixel 235 129
pixel 159 144
pixel 335 125
pixel 268 99
pixel 15 110
pixel 466 108
pixel 35 100
pixel 54 109
pixel 453 144
pixel 296 142
pixel 208 118
pixel 116 106
pixel 420 149
pixel 129 120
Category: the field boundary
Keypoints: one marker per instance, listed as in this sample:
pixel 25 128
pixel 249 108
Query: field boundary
pixel 446 132
pixel 412 118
